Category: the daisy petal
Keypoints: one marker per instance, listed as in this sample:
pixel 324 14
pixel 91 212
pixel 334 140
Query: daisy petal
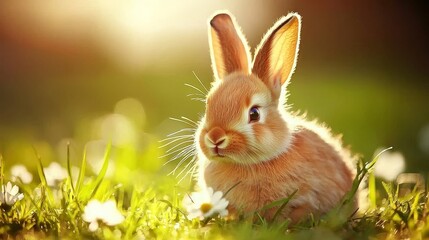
pixel 8 186
pixel 20 196
pixel 210 191
pixel 222 204
pixel 14 190
pixel 223 213
pixel 216 197
pixel 10 194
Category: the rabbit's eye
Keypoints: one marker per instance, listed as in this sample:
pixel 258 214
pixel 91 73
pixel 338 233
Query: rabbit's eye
pixel 254 114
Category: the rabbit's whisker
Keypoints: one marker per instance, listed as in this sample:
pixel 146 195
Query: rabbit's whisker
pixel 181 130
pixel 199 99
pixel 175 140
pixel 179 151
pixel 191 86
pixel 182 121
pixel 181 162
pixel 183 152
pixel 189 120
pixel 186 166
pixel 179 144
pixel 195 94
pixel 199 80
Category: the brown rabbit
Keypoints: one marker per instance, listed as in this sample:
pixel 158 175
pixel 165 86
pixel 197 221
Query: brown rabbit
pixel 247 136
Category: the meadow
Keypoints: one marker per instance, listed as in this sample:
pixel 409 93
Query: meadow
pixel 68 203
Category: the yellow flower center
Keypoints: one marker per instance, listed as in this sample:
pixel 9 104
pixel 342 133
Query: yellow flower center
pixel 205 207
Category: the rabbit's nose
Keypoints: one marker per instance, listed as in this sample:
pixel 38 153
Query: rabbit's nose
pixel 216 137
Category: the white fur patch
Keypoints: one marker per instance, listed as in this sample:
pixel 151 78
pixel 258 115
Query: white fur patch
pixel 269 147
pixel 260 99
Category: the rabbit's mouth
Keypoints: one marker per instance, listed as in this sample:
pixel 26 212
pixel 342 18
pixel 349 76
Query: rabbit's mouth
pixel 218 152
pixel 221 158
pixel 219 155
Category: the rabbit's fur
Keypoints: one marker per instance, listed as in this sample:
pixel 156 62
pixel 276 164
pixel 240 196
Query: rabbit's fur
pixel 279 152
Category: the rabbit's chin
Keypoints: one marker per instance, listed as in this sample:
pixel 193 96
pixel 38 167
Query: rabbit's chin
pixel 223 159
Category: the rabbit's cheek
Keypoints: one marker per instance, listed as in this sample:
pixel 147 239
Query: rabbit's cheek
pixel 237 145
pixel 266 136
pixel 264 139
pixel 260 133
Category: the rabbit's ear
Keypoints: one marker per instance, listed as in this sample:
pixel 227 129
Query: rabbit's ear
pixel 228 47
pixel 276 55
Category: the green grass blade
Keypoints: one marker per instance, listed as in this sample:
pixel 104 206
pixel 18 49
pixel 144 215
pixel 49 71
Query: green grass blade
pixel 362 170
pixel 360 176
pixel 286 201
pixel 121 196
pixel 389 189
pixel 414 207
pixel 233 186
pixel 169 204
pixel 278 202
pixel 69 167
pixel 40 171
pixel 45 190
pixel 401 215
pixel 372 191
pixel 260 218
pixel 374 160
pixel 103 170
pixel 81 172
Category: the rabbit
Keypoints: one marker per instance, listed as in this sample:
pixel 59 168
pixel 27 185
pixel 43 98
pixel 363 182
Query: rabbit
pixel 248 139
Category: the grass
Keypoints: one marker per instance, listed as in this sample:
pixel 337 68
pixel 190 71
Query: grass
pixel 153 210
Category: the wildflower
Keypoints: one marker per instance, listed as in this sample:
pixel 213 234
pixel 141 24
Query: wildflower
pixel 10 194
pixel 106 212
pixel 54 174
pixel 20 172
pixel 389 165
pixel 205 204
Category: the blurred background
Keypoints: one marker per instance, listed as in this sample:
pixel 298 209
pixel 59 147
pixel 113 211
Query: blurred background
pixel 84 72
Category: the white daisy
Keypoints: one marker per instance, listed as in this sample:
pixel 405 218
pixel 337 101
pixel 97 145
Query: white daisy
pixel 54 174
pixel 10 194
pixel 21 172
pixel 389 165
pixel 205 204
pixel 106 212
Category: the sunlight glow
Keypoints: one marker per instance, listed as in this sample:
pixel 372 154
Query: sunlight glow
pixel 134 34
